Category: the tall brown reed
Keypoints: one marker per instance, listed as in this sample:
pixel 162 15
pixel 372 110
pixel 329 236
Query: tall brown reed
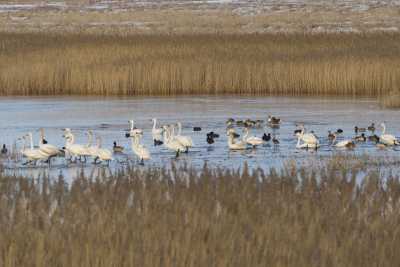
pixel 299 217
pixel 334 64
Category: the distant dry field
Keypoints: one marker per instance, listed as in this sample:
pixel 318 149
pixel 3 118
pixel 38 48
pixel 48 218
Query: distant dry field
pixel 365 64
pixel 200 16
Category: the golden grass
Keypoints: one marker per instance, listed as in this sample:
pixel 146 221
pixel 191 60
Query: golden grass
pixel 391 100
pixel 317 217
pixel 293 64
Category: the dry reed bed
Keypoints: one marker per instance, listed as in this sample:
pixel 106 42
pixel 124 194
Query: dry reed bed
pixel 295 64
pixel 211 218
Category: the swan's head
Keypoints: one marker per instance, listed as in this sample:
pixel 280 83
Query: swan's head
pixel 383 125
pixel 230 132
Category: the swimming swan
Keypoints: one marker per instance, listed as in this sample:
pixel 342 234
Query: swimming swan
pixel 252 140
pixel 156 132
pixel 32 154
pixel 387 139
pixel 240 145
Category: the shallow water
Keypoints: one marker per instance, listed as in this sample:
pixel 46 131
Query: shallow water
pixel 108 117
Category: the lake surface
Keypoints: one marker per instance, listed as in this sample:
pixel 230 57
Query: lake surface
pixel 108 117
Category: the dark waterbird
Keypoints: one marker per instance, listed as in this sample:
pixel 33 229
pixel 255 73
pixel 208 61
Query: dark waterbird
pixel 361 138
pixel 275 141
pixel 213 135
pixel 266 137
pixel 196 129
pixel 4 150
pixel 210 140
pixel 117 148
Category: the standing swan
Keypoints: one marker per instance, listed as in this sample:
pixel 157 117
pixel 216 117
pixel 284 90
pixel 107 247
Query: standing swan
pixel 73 149
pixel 100 153
pixel 186 141
pixel 48 149
pixel 156 133
pixel 387 139
pixel 32 154
pixel 171 142
pixel 140 150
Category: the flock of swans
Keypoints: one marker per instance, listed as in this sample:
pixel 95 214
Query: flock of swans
pixel 171 137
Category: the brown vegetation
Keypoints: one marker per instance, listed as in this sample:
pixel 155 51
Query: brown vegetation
pixel 391 100
pixel 336 64
pixel 313 217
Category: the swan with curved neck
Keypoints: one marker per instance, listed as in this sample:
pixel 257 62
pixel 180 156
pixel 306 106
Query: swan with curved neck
pixel 100 153
pixel 171 142
pixel 387 139
pixel 31 153
pixel 186 141
pixel 308 138
pixel 251 140
pixel 74 150
pixel 140 150
pixel 343 143
pixel 46 148
pixel 239 145
pixel 156 132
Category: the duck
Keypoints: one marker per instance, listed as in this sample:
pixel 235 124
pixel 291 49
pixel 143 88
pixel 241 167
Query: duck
pixel 239 145
pixel 275 141
pixel 359 130
pixel 371 128
pixel 266 137
pixel 331 136
pixel 186 141
pixel 251 140
pixel 230 121
pixel 210 140
pixel 273 120
pixel 4 150
pixel 387 139
pixel 361 138
pixel 196 129
pixel 339 131
pixel 213 135
pixel 117 148
pixel 155 132
pixel 140 150
pixel 373 138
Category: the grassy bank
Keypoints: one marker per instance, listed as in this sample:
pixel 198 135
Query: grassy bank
pixel 294 64
pixel 211 218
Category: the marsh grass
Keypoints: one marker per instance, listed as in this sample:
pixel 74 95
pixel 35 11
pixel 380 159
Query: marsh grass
pixel 391 100
pixel 297 217
pixel 293 64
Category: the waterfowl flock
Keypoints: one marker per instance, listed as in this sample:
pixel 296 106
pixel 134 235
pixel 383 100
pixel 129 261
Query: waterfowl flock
pixel 171 137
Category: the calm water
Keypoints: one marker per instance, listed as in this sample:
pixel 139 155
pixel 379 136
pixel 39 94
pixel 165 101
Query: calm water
pixel 108 117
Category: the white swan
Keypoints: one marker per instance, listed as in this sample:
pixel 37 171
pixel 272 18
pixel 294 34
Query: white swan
pixel 343 143
pixel 186 141
pixel 156 132
pixel 170 142
pixel 240 145
pixel 100 153
pixel 74 150
pixel 387 139
pixel 140 150
pixel 308 138
pixel 305 145
pixel 48 149
pixel 32 154
pixel 251 140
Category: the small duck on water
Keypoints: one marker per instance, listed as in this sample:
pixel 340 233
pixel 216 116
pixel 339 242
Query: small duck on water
pixel 4 150
pixel 117 148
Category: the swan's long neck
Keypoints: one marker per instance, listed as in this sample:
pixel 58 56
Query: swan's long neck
pixel 298 140
pixel 154 123
pixel 384 128
pixel 179 128
pixel 334 139
pixel 31 140
pixel 230 139
pixel 246 133
pixel 41 136
pixel 166 134
pixel 90 138
pixel 99 142
pixel 131 123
